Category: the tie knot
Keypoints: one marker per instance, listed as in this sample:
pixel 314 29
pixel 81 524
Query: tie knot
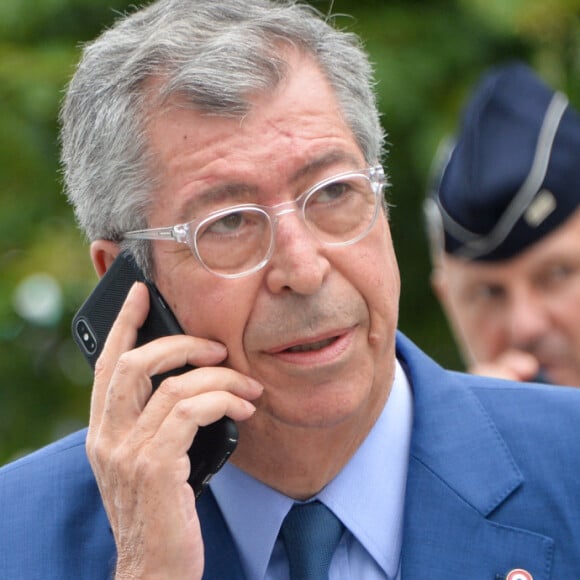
pixel 310 533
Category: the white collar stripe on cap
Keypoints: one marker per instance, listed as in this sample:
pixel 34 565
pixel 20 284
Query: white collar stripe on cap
pixel 475 244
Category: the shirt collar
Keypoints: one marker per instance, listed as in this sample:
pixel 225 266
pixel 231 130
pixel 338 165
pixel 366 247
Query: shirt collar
pixel 367 495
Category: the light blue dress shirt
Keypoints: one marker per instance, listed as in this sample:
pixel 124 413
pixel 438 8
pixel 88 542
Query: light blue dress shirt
pixel 368 496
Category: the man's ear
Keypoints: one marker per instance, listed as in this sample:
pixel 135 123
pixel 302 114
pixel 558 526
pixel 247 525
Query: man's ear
pixel 103 254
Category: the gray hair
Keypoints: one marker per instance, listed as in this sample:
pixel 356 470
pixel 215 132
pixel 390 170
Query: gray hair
pixel 215 54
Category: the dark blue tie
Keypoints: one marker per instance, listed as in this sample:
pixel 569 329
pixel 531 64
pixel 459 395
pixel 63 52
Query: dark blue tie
pixel 310 533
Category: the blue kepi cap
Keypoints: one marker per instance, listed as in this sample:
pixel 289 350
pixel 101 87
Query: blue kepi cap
pixel 512 175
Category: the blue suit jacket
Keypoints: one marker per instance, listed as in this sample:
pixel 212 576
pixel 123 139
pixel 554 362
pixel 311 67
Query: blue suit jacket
pixel 493 485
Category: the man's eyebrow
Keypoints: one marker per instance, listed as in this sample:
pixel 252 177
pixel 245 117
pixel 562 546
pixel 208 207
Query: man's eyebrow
pixel 332 157
pixel 231 192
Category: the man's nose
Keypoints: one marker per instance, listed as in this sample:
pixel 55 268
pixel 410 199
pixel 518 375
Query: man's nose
pixel 298 263
pixel 528 317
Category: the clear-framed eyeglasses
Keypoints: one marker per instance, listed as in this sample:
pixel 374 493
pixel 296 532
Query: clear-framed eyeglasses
pixel 239 240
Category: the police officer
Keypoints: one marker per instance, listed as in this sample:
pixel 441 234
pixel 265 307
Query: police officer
pixel 504 227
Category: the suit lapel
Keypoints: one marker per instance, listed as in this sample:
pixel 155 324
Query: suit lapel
pixel 460 472
pixel 221 556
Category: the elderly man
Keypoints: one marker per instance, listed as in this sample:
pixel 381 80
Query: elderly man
pixel 233 147
pixel 504 221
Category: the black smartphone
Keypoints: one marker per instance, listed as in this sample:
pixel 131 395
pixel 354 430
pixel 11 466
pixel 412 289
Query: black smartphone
pixel 214 443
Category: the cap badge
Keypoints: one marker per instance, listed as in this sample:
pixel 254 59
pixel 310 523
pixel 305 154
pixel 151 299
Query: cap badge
pixel 541 207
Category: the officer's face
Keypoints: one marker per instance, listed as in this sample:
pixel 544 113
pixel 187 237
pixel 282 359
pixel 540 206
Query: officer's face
pixel 530 302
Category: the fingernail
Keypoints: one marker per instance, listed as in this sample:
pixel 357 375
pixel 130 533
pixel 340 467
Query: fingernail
pixel 219 348
pixel 255 385
pixel 132 290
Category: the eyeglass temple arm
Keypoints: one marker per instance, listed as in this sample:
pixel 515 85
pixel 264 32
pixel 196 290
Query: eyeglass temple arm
pixel 167 233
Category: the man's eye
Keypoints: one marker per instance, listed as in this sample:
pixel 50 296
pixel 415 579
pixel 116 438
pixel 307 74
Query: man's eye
pixel 237 224
pixel 487 293
pixel 556 275
pixel 332 191
pixel 228 224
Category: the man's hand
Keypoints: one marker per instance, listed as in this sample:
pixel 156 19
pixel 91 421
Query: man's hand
pixel 137 442
pixel 515 365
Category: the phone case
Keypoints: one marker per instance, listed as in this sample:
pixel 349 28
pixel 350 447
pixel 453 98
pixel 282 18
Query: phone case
pixel 214 443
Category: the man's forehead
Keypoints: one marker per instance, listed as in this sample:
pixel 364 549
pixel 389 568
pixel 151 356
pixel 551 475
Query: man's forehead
pixel 303 103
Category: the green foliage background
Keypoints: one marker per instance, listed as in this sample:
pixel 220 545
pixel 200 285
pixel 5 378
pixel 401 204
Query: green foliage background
pixel 428 54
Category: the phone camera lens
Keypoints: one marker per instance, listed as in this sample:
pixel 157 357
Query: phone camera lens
pixel 86 337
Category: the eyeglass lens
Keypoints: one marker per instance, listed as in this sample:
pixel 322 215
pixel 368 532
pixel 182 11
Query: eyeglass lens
pixel 336 212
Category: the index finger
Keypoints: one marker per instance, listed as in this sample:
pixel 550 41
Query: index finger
pixel 122 337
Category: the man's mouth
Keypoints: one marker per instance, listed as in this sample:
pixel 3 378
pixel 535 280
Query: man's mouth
pixel 324 349
pixel 311 345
